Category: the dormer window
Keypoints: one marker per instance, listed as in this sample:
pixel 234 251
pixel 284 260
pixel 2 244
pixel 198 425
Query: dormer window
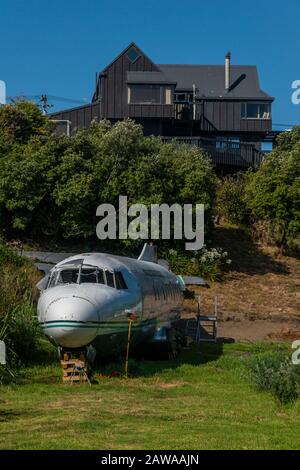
pixel 132 54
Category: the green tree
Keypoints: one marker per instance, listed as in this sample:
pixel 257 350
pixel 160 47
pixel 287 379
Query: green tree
pixel 52 185
pixel 230 199
pixel 273 193
pixel 19 122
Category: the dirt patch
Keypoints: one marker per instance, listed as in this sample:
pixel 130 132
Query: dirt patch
pixel 259 330
pixel 259 298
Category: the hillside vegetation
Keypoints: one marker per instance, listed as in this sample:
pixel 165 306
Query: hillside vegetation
pixel 18 326
pixel 50 187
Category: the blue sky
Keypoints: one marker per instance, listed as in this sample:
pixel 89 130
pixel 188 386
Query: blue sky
pixel 56 46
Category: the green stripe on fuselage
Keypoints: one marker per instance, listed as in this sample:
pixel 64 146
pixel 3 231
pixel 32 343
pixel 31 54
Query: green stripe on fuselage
pixel 102 325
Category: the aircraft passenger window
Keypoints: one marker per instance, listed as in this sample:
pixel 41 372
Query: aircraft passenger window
pixel 158 293
pixel 110 279
pixel 172 291
pixel 120 283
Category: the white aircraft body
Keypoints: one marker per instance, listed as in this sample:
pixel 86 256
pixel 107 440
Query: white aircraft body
pixel 87 299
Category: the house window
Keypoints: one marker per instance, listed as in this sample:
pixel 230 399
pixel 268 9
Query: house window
pixel 227 142
pixel 256 110
pixel 132 54
pixel 183 97
pixel 168 97
pixel 180 97
pixel 146 94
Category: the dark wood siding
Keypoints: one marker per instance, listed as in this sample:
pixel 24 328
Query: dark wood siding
pixel 215 116
pixel 226 117
pixel 150 111
pixel 80 117
pixel 114 86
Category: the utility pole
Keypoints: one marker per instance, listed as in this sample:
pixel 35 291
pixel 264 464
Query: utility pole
pixel 194 102
pixel 45 104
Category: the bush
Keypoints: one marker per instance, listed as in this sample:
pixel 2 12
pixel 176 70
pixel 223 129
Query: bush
pixel 207 263
pixel 18 327
pixel 23 332
pixel 51 186
pixel 230 199
pixel 19 123
pixel 276 374
pixel 273 192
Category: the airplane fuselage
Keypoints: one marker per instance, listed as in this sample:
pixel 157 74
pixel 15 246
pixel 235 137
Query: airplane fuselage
pixel 89 298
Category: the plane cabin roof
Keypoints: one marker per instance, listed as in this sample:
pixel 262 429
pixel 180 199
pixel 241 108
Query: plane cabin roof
pixel 103 260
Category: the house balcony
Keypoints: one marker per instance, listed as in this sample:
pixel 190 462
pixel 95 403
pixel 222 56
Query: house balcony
pixel 145 111
pixel 224 153
pixel 207 116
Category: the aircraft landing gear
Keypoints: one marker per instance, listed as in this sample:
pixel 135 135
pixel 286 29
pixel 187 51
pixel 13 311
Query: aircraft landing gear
pixel 174 343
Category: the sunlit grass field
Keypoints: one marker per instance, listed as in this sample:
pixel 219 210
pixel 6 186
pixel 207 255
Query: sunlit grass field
pixel 202 400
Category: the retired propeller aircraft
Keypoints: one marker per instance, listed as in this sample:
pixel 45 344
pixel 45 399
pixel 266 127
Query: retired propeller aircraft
pixel 86 301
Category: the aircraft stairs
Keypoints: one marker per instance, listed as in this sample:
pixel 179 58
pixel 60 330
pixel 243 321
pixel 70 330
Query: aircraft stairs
pixel 203 328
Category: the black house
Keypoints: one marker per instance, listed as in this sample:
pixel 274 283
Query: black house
pixel 218 107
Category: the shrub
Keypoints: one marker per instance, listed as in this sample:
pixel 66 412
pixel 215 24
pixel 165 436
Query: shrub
pixel 273 192
pixel 209 263
pixel 52 186
pixel 230 199
pixel 276 374
pixel 20 122
pixel 18 327
pixel 23 332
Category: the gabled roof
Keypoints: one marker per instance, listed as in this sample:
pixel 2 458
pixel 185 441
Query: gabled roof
pixel 210 80
pixel 132 44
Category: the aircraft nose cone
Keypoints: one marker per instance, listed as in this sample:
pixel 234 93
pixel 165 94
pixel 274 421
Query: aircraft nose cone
pixel 71 322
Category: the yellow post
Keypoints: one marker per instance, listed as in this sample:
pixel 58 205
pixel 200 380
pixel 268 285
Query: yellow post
pixel 131 320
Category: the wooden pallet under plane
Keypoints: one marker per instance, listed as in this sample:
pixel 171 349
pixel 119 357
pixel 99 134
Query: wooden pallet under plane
pixel 75 370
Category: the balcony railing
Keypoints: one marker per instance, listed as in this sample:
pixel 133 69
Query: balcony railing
pixel 185 111
pixel 223 152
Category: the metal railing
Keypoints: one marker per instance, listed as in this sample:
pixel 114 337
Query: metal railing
pixel 224 152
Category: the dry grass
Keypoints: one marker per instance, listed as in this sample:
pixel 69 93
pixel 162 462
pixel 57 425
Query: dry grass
pixel 262 285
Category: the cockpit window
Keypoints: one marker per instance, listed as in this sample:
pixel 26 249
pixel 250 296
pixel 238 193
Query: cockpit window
pixel 110 279
pixel 91 275
pixel 86 274
pixel 68 276
pixel 64 276
pixel 120 283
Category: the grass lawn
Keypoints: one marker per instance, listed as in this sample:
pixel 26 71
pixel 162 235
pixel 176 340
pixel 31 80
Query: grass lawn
pixel 200 401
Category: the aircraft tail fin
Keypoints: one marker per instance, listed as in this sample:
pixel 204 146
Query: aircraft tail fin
pixel 149 253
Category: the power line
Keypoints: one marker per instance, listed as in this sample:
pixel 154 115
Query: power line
pixel 51 97
pixel 285 125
